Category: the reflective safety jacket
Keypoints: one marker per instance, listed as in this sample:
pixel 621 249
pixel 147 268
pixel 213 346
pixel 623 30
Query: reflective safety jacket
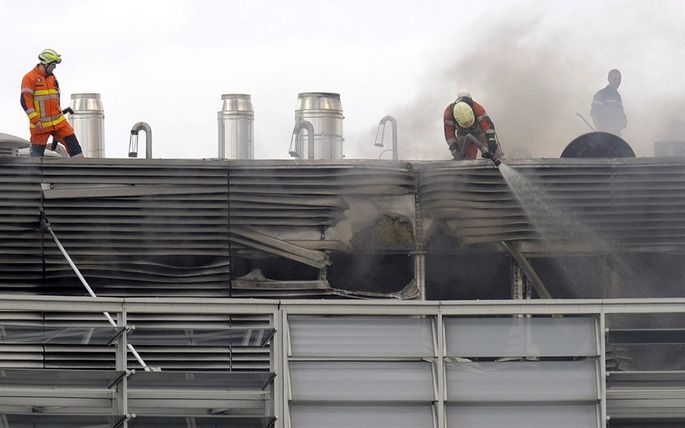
pixel 40 100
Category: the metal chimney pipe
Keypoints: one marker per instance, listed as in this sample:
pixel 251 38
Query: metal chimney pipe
pixel 297 150
pixel 381 129
pixel 236 127
pixel 88 121
pixel 133 144
pixel 324 111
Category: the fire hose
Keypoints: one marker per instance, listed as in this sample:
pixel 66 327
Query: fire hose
pixel 485 152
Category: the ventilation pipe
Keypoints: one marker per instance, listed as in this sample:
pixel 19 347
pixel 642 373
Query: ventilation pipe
pixel 133 143
pixel 87 117
pixel 296 143
pixel 324 111
pixel 381 130
pixel 236 127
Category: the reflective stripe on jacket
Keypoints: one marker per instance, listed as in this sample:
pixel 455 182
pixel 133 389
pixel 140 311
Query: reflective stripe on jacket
pixel 40 99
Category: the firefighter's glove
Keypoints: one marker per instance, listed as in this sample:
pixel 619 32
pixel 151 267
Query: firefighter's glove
pixel 492 157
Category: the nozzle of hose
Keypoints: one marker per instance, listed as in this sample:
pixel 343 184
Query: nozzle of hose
pixel 492 157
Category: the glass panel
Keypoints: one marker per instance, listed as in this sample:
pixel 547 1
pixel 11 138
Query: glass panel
pixel 523 381
pixel 521 337
pixel 65 378
pixel 204 380
pixel 649 380
pixel 361 381
pixel 646 336
pixel 361 336
pixel 201 336
pixel 361 416
pixel 57 335
pixel 518 416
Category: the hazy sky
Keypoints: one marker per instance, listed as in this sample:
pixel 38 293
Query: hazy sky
pixel 532 64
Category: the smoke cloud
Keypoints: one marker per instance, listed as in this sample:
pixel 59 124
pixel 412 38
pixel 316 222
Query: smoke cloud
pixel 533 74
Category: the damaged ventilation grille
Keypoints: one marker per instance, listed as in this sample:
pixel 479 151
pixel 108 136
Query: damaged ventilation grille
pixel 162 227
pixel 635 204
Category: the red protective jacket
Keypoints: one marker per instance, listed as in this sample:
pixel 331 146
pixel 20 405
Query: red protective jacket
pixel 483 129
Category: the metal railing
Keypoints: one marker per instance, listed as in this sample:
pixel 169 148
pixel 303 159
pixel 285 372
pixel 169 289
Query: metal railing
pixel 429 363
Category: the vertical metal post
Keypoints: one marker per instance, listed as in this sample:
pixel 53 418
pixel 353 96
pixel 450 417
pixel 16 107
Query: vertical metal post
pixel 420 273
pixel 604 420
pixel 285 354
pixel 277 368
pixel 420 246
pixel 121 364
pixel 441 371
pixel 517 281
pixel 527 269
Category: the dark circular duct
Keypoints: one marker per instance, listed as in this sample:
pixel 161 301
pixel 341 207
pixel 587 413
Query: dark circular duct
pixel 598 145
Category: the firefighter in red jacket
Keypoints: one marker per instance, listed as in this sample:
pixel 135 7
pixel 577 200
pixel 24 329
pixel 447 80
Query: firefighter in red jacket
pixel 40 100
pixel 468 129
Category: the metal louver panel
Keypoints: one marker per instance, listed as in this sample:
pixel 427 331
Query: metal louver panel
pixel 632 202
pixel 70 350
pixel 162 227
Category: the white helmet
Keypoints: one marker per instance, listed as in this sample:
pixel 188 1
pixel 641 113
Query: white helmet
pixel 463 114
pixel 463 93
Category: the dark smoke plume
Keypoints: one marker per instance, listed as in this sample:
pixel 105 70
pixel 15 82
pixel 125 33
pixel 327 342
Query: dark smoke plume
pixel 534 74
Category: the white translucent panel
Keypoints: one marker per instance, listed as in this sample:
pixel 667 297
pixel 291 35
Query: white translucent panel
pixel 314 416
pixel 354 336
pixel 521 337
pixel 361 381
pixel 523 381
pixel 519 416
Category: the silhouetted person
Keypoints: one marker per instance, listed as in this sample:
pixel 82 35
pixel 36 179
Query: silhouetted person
pixel 607 106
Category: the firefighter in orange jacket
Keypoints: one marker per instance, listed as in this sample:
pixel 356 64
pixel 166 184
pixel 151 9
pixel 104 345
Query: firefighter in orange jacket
pixel 464 117
pixel 40 101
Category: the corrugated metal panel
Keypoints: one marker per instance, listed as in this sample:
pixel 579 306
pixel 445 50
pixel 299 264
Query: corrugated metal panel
pixel 161 227
pixel 635 203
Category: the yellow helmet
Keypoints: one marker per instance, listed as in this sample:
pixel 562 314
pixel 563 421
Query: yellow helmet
pixel 463 114
pixel 49 56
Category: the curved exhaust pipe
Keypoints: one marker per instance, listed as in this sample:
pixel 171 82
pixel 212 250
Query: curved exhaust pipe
pixel 381 130
pixel 133 143
pixel 295 148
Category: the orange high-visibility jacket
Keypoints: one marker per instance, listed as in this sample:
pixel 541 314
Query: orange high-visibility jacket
pixel 40 99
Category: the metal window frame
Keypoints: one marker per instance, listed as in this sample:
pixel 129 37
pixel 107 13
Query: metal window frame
pixel 279 311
